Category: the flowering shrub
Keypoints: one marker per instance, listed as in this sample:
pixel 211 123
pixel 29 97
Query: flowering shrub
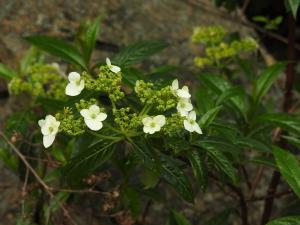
pixel 131 136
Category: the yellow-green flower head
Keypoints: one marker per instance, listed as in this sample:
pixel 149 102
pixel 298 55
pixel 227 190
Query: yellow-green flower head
pixel 41 80
pixel 208 35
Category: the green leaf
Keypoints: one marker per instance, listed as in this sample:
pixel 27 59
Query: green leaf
pixel 285 121
pixel 290 220
pixel 294 4
pixel 88 160
pixel 289 167
pixel 223 163
pixel 173 175
pixel 199 168
pixel 58 48
pixel 131 199
pixel 137 52
pixel 219 85
pixel 252 144
pixel 292 140
pixel 6 72
pixel 265 80
pixel 180 219
pixel 90 38
pixel 229 93
pixel 209 116
pixel 262 160
pixel 217 142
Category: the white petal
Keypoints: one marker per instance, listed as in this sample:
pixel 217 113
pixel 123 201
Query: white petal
pixel 147 120
pixel 175 85
pixel 146 129
pixel 192 115
pixel 41 123
pixel 197 128
pixel 73 77
pixel 94 109
pixel 108 63
pixel 48 140
pixel 188 126
pixel 183 113
pixel 50 119
pixel 101 117
pixel 115 69
pixel 160 120
pixel 72 90
pixel 84 113
pixel 184 92
pixel 93 124
pixel 45 130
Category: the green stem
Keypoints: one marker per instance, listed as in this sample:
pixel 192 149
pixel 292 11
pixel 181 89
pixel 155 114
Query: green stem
pixel 105 136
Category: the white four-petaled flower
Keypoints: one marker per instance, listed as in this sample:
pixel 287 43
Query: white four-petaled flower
pixel 75 85
pixel 153 124
pixel 113 68
pixel 49 127
pixel 184 106
pixel 190 123
pixel 93 117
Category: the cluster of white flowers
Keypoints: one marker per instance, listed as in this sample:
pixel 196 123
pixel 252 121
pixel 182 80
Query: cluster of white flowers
pixel 93 118
pixel 185 107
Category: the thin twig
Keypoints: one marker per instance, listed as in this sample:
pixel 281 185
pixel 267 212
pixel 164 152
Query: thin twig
pixel 263 198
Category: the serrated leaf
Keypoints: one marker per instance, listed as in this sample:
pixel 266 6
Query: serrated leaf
pixel 229 93
pixel 290 220
pixel 137 52
pixel 285 121
pixel 90 38
pixel 174 176
pixel 6 72
pixel 253 144
pixel 265 80
pixel 88 160
pixel 199 168
pixel 131 199
pixel 217 142
pixel 294 5
pixel 223 163
pixel 289 167
pixel 58 48
pixel 209 116
pixel 219 85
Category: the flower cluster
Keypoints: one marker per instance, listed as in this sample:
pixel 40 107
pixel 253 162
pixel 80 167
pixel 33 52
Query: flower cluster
pixel 162 99
pixel 175 101
pixel 43 80
pixel 217 48
pixel 208 35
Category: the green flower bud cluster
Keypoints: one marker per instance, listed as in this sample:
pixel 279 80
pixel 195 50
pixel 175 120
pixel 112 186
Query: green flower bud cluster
pixel 42 80
pixel 162 99
pixel 225 50
pixel 69 123
pixel 216 48
pixel 85 104
pixel 125 119
pixel 107 82
pixel 208 35
pixel 173 124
